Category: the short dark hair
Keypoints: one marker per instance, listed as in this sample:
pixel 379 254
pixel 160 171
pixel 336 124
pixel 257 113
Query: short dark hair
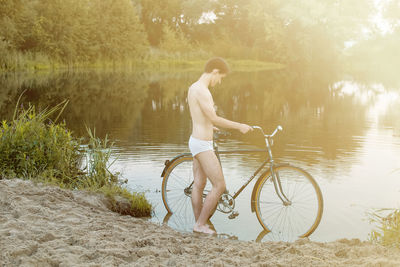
pixel 217 63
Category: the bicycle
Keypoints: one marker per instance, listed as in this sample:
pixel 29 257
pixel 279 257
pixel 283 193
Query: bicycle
pixel 284 197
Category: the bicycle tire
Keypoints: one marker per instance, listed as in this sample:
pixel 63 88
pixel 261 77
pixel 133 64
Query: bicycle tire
pixel 178 177
pixel 278 218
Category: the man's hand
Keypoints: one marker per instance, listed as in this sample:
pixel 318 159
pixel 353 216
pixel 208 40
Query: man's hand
pixel 244 128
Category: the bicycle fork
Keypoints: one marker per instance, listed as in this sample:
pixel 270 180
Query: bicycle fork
pixel 278 187
pixel 275 176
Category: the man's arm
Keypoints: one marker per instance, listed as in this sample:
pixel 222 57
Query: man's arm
pixel 206 104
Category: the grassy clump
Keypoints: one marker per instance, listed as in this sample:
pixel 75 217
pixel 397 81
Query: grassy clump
pixel 388 233
pixel 122 201
pixel 32 146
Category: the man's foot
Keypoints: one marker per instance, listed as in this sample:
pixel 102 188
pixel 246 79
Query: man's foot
pixel 203 229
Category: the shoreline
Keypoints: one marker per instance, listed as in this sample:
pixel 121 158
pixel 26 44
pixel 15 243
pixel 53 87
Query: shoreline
pixel 48 226
pixel 145 65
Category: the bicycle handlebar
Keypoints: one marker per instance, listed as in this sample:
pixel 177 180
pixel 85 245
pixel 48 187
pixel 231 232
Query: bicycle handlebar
pixel 225 133
pixel 278 128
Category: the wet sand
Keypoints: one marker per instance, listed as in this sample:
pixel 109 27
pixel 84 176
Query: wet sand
pixel 48 226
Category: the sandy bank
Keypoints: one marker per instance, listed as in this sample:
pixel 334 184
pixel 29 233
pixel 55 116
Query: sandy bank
pixel 48 226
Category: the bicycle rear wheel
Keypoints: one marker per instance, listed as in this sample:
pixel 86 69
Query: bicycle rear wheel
pixel 298 218
pixel 177 186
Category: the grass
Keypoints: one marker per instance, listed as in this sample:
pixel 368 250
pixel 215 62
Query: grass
pixel 388 232
pixel 34 146
pixel 13 61
pixel 155 59
pixel 197 65
pixel 252 65
pixel 125 202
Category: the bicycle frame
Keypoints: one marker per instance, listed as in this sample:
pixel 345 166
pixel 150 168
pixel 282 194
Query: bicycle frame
pixel 275 177
pixel 236 194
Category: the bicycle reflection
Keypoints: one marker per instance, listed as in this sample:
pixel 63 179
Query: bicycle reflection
pixel 186 223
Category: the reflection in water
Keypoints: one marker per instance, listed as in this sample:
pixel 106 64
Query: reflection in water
pixel 186 225
pixel 97 100
pixel 150 108
pixel 346 133
pixel 182 224
pixel 383 103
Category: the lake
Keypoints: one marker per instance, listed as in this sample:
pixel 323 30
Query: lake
pixel 343 130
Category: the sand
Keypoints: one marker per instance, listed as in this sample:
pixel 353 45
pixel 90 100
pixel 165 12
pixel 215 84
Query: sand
pixel 47 226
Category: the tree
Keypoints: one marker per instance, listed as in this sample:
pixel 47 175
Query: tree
pixel 73 30
pixel 180 15
pixel 174 40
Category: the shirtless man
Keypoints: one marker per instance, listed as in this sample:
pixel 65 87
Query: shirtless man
pixel 205 162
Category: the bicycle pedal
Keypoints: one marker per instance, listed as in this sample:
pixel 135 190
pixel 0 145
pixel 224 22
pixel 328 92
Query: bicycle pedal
pixel 233 215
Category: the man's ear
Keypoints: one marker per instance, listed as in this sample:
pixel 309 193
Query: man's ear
pixel 215 71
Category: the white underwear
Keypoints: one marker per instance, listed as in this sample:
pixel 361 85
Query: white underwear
pixel 196 145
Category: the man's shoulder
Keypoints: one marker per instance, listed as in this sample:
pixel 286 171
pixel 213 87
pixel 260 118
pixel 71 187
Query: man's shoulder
pixel 199 89
pixel 195 86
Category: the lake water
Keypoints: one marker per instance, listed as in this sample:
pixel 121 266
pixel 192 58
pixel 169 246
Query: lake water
pixel 344 131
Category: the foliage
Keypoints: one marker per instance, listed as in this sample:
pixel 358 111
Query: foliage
pixel 388 233
pixel 292 32
pixel 33 146
pixel 306 34
pixel 174 41
pixel 377 58
pixel 178 14
pixel 73 30
pixel 4 53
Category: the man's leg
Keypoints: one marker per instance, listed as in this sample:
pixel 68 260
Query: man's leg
pixel 212 169
pixel 200 180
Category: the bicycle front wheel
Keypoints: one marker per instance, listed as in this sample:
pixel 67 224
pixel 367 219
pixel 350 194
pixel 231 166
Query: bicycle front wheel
pixel 297 217
pixel 177 187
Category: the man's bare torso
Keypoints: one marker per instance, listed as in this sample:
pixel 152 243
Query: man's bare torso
pixel 202 127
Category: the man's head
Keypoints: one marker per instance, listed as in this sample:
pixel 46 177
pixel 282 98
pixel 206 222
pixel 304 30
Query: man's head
pixel 217 68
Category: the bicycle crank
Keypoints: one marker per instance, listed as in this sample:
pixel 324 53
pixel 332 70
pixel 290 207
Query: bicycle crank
pixel 226 203
pixel 233 215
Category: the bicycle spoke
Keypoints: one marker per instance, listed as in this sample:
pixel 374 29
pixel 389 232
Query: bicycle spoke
pixel 177 205
pixel 177 195
pixel 271 210
pixel 178 210
pixel 180 179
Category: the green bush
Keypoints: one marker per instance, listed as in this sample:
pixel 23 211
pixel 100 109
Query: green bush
pixel 32 146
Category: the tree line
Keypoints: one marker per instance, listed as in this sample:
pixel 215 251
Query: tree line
pixel 294 32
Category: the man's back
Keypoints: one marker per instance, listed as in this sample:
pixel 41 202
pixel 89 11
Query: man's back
pixel 202 125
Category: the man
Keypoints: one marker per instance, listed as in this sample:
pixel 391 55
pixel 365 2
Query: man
pixel 205 162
